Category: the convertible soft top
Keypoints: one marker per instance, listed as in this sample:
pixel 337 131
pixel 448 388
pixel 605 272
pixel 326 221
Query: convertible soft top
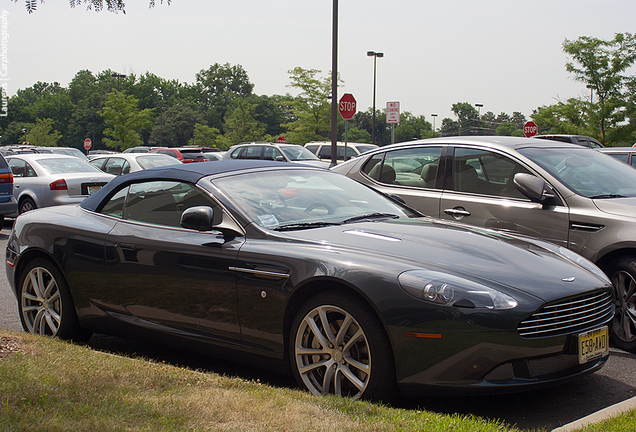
pixel 191 173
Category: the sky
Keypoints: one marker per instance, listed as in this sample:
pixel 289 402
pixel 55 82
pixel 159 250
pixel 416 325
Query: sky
pixel 504 54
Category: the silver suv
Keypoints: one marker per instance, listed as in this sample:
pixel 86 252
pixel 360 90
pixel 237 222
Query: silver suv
pixel 573 196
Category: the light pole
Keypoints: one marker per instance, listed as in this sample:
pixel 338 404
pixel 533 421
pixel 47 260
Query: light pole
pixel 25 135
pixel 116 75
pixel 479 117
pixel 375 55
pixel 433 115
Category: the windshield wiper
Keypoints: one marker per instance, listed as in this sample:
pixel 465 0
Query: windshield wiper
pixel 306 225
pixel 608 196
pixel 371 216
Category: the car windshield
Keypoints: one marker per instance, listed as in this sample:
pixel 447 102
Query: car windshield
pixel 586 172
pixel 147 161
pixel 69 164
pixel 297 153
pixel 301 199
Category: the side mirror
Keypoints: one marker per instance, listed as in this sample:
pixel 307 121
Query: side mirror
pixel 534 188
pixel 280 158
pixel 200 218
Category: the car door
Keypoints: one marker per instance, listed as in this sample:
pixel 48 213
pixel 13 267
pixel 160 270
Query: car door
pixel 25 180
pixel 480 192
pixel 412 173
pixel 166 275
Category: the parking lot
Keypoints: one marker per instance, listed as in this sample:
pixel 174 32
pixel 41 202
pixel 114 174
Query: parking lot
pixel 548 408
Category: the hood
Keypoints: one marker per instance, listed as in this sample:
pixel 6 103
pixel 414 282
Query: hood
pixel 534 267
pixel 625 207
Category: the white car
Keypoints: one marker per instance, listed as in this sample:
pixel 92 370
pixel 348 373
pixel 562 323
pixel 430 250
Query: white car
pixel 124 163
pixel 322 149
pixel 43 180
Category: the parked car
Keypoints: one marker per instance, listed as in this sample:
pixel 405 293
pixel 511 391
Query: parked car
pixel 623 154
pixel 310 269
pixel 572 196
pixel 139 149
pixel 43 180
pixel 124 163
pixel 282 152
pixel 183 154
pixel 69 151
pixel 322 149
pixel 214 156
pixel 581 140
pixel 8 204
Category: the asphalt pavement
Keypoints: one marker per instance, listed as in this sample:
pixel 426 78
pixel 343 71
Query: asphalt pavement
pixel 546 409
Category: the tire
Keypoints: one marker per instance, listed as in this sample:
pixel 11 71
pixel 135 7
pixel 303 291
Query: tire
pixel 27 204
pixel 45 304
pixel 622 273
pixel 350 357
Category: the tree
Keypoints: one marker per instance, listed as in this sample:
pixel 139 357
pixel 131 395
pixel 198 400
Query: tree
pixel 311 110
pixel 96 5
pixel 412 127
pixel 467 118
pixel 124 120
pixel 241 125
pixel 562 118
pixel 42 133
pixel 179 122
pixel 600 64
pixel 205 136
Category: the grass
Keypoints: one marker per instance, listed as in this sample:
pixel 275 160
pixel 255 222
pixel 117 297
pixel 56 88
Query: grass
pixel 51 385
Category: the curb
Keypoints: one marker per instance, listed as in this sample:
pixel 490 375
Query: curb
pixel 599 416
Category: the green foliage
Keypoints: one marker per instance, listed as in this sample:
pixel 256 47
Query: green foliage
pixel 241 125
pixel 42 133
pixel 412 127
pixel 124 120
pixel 505 129
pixel 205 136
pixel 311 111
pixel 175 125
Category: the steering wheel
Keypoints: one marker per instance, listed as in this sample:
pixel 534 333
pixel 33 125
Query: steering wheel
pixel 319 205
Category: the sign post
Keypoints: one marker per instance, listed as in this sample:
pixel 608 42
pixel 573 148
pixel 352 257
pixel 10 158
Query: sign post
pixel 530 129
pixel 393 117
pixel 347 107
pixel 87 144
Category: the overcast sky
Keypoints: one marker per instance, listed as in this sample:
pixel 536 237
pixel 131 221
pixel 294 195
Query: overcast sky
pixel 504 54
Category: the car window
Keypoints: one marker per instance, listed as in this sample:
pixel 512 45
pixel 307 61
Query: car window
pixel 250 152
pixel 156 202
pixel 325 152
pixel 21 168
pixel 620 156
pixel 415 166
pixel 151 161
pixel 351 153
pixel 586 172
pixel 298 153
pixel 272 153
pixel 66 165
pixel 116 166
pixel 485 173
pixel 312 148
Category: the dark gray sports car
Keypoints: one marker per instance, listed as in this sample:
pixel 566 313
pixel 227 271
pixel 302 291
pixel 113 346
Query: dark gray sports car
pixel 355 293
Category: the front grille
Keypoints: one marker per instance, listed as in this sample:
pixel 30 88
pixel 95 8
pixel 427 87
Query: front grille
pixel 568 315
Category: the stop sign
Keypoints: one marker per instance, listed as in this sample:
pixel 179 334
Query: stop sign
pixel 87 143
pixel 347 106
pixel 530 129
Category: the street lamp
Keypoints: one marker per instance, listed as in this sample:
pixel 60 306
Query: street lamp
pixel 433 115
pixel 115 75
pixel 375 55
pixel 479 117
pixel 25 134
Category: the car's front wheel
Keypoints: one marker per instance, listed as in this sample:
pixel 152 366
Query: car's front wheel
pixel 623 276
pixel 338 346
pixel 45 303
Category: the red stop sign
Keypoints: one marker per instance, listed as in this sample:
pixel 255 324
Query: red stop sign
pixel 530 129
pixel 347 106
pixel 87 143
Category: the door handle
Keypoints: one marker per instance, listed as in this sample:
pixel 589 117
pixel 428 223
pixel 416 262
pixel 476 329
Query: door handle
pixel 128 246
pixel 457 213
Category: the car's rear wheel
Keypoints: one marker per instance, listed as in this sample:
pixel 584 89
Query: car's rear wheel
pixel 623 276
pixel 45 303
pixel 27 204
pixel 338 346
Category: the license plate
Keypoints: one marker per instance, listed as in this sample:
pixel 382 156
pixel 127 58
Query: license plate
pixel 593 344
pixel 93 189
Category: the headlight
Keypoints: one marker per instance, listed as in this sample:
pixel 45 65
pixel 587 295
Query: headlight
pixel 445 289
pixel 583 262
